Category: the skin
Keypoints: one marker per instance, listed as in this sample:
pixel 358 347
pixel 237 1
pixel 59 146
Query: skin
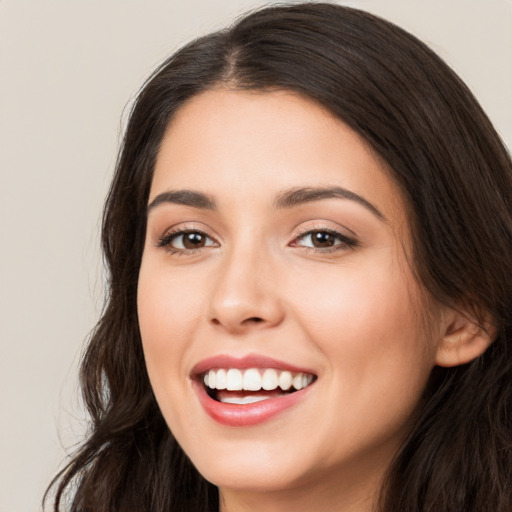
pixel 351 314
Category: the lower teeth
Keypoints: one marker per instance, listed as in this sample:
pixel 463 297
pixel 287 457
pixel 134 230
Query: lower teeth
pixel 244 397
pixel 243 400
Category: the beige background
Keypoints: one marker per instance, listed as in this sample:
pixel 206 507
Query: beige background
pixel 68 69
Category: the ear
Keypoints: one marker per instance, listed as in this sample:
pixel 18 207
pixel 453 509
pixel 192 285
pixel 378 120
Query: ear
pixel 464 339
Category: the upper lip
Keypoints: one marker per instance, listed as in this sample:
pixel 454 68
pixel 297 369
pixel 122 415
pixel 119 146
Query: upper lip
pixel 245 362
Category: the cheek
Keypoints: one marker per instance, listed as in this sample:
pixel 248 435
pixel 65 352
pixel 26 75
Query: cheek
pixel 377 353
pixel 168 308
pixel 167 297
pixel 370 298
pixel 365 321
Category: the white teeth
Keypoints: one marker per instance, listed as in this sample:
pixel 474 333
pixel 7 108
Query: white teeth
pixel 285 380
pixel 244 400
pixel 234 380
pixel 220 379
pixel 211 379
pixel 254 379
pixel 269 380
pixel 297 381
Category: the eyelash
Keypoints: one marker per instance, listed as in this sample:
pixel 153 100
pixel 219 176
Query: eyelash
pixel 166 241
pixel 345 241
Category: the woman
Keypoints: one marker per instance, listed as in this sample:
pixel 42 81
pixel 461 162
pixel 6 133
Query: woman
pixel 308 236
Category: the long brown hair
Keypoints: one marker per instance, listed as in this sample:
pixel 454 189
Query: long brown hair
pixel 456 179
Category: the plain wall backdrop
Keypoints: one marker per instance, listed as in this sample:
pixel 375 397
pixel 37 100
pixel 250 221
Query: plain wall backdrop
pixel 68 70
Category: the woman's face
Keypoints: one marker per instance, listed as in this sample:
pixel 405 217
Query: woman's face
pixel 275 253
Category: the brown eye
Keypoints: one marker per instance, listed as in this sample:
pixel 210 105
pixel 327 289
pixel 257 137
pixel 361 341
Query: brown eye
pixel 193 240
pixel 322 239
pixel 184 241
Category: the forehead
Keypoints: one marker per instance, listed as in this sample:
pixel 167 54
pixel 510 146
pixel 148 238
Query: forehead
pixel 250 143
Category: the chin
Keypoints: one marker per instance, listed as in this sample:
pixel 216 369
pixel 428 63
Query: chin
pixel 252 478
pixel 252 468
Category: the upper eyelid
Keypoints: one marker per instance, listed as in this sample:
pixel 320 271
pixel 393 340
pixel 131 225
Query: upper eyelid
pixel 322 226
pixel 350 239
pixel 300 232
pixel 331 231
pixel 297 232
pixel 164 240
pixel 186 227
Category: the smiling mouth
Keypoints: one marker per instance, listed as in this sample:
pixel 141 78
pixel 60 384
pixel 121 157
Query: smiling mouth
pixel 237 386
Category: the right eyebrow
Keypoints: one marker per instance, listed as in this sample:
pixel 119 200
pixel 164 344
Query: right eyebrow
pixel 183 197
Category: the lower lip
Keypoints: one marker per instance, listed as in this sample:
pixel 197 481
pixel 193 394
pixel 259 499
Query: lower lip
pixel 235 415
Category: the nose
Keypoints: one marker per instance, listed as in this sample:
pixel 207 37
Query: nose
pixel 246 295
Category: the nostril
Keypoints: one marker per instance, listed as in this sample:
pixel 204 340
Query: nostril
pixel 254 319
pixel 242 323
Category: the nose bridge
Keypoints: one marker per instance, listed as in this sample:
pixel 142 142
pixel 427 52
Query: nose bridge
pixel 245 293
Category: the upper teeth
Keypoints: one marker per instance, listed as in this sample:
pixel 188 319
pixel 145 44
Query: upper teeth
pixel 254 379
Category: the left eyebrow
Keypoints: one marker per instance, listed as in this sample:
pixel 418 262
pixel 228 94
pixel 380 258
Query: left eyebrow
pixel 300 195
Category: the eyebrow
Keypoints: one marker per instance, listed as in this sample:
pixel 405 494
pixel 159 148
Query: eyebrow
pixel 185 198
pixel 300 195
pixel 285 199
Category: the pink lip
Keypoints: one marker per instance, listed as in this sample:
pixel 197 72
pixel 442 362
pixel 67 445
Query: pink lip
pixel 235 415
pixel 249 361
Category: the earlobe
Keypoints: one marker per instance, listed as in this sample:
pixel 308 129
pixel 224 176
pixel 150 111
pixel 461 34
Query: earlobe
pixel 464 339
